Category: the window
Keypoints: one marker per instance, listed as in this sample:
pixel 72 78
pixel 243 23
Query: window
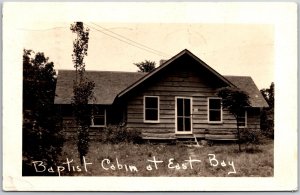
pixel 151 109
pixel 214 110
pixel 242 119
pixel 98 117
pixel 183 115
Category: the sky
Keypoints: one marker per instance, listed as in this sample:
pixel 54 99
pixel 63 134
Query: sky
pixel 230 49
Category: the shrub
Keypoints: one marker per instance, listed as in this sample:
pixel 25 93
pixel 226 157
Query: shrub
pixel 267 122
pixel 269 131
pixel 40 143
pixel 116 134
pixel 251 138
pixel 134 136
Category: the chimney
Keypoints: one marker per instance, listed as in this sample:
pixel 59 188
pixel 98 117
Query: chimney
pixel 162 61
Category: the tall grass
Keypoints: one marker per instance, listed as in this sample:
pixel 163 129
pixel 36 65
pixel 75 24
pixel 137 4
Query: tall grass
pixel 253 161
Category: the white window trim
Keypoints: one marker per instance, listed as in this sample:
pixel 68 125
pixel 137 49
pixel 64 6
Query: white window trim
pixel 158 109
pixel 191 105
pixel 214 122
pixel 246 119
pixel 92 123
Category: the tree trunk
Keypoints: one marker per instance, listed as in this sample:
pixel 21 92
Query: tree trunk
pixel 81 159
pixel 239 137
pixel 238 132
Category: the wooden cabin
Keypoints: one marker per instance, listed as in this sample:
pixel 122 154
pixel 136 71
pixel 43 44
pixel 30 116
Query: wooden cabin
pixel 176 100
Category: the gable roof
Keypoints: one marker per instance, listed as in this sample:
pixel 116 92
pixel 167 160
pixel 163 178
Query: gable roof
pixel 167 63
pixel 110 85
pixel 107 85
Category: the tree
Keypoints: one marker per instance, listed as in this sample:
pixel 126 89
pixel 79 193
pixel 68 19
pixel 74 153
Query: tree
pixel 146 66
pixel 236 101
pixel 267 114
pixel 269 95
pixel 39 79
pixel 82 88
pixel 42 137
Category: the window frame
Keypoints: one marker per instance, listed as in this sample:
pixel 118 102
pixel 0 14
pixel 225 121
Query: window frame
pixel 246 118
pixel 191 117
pixel 208 111
pixel 92 119
pixel 158 109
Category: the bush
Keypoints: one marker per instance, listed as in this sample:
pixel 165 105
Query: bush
pixel 116 134
pixel 40 143
pixel 134 136
pixel 269 131
pixel 267 122
pixel 250 136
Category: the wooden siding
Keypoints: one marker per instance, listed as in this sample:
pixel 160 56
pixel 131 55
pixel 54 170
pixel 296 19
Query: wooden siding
pixel 253 118
pixel 181 84
pixel 70 130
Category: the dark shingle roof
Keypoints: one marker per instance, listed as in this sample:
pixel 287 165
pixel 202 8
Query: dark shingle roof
pixel 247 84
pixel 109 84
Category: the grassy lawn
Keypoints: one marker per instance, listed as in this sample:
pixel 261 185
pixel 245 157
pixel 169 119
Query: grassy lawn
pixel 125 159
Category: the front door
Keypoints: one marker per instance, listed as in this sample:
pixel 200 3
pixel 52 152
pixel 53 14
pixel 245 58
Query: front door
pixel 183 115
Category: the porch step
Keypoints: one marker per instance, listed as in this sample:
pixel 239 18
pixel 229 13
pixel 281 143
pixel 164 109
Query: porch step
pixel 220 137
pixel 189 136
pixel 187 141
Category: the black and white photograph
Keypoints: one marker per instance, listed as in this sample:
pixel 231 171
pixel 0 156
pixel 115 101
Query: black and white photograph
pixel 149 98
